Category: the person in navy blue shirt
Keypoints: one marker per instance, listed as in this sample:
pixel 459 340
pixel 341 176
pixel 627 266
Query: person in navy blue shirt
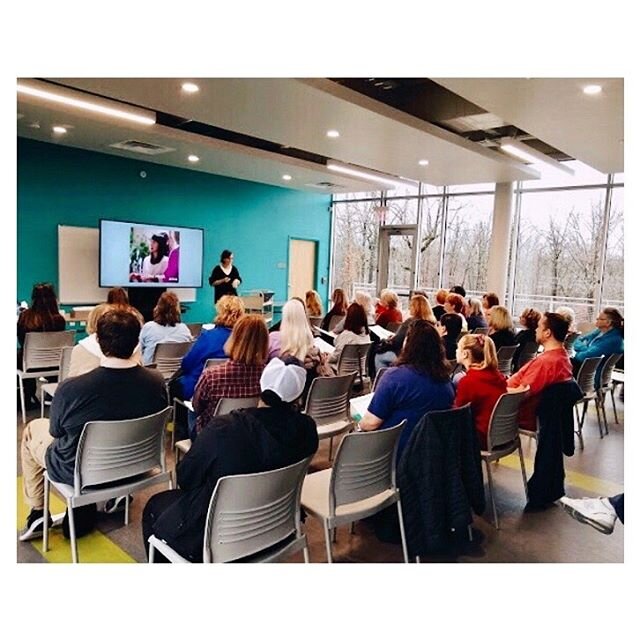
pixel 418 383
pixel 210 344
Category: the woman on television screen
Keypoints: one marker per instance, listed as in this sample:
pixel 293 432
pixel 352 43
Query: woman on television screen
pixel 225 277
pixel 155 264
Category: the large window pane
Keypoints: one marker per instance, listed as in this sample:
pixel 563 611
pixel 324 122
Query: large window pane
pixel 401 211
pixel 430 233
pixel 361 195
pixel 559 243
pixel 613 286
pixel 468 235
pixel 355 245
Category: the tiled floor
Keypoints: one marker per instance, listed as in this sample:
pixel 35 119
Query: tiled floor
pixel 549 536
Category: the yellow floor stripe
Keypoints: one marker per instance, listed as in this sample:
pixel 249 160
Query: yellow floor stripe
pixel 572 478
pixel 94 547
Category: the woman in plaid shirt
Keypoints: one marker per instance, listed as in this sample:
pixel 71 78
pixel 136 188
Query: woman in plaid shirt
pixel 247 349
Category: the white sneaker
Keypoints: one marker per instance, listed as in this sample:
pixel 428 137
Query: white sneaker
pixel 596 512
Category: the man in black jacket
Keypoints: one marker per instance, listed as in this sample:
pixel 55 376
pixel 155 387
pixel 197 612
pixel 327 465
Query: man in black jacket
pixel 119 389
pixel 271 436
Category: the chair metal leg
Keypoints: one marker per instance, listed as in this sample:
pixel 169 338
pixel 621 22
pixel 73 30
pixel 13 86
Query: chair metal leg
pixel 493 502
pixel 72 534
pixel 41 402
pixel 599 420
pixel 470 533
pixel 602 397
pixel 613 402
pixel 126 510
pixel 580 424
pixel 152 553
pixel 524 473
pixel 171 479
pixel 405 552
pixel 335 534
pixel 330 448
pixel 305 553
pixel 353 528
pixel 327 540
pixel 45 526
pixel 22 402
pixel 417 559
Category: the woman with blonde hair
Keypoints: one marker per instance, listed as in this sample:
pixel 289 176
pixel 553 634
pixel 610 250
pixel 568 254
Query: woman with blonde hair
pixel 483 384
pixel 313 304
pixel 339 308
pixel 501 327
pixel 165 326
pixel 389 311
pixel 475 319
pixel 364 300
pixel 210 344
pixel 239 377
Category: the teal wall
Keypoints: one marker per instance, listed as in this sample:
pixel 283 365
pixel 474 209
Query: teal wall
pixel 62 185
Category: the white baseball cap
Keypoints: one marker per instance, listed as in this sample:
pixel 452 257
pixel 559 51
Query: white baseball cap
pixel 285 380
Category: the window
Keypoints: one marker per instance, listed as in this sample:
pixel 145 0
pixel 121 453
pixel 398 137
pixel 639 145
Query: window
pixel 429 248
pixel 613 283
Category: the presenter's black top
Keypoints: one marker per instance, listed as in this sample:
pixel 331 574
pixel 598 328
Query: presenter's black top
pixel 225 288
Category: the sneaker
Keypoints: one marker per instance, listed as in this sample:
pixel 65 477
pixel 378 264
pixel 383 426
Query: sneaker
pixel 33 527
pixel 113 505
pixel 596 512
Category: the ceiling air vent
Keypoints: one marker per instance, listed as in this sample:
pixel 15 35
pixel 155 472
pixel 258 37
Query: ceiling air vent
pixel 325 185
pixel 145 148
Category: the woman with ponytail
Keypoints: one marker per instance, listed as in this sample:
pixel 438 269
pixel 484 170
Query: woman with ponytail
pixel 483 384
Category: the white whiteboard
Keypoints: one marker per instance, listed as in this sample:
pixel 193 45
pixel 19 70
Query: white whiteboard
pixel 78 268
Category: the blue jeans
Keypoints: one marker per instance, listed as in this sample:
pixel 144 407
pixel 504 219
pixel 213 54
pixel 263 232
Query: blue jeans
pixel 617 502
pixel 384 360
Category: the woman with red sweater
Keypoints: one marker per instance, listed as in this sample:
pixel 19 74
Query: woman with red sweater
pixel 483 384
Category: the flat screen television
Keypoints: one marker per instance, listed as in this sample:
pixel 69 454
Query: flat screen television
pixel 139 254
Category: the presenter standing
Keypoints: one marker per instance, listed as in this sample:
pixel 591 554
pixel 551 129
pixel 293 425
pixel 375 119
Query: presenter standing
pixel 225 278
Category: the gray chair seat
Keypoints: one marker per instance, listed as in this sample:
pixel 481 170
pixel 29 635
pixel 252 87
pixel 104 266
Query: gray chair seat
pixel 332 429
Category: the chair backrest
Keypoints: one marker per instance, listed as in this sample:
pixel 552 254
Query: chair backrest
pixel 214 362
pixel 195 328
pixel 607 369
pixel 378 377
pixel 316 321
pixel 570 339
pixel 365 465
pixel 393 326
pixel 116 450
pixel 462 333
pixel 42 349
pixel 586 377
pixel 353 357
pixel 252 512
pixel 529 352
pixel 328 398
pixel 167 356
pixel 65 363
pixel 483 330
pixel 227 405
pixel 505 357
pixel 334 321
pixel 503 424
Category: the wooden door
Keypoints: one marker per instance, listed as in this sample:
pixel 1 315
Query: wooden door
pixel 302 267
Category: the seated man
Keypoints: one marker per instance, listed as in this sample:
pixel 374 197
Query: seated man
pixel 551 366
pixel 271 436
pixel 119 389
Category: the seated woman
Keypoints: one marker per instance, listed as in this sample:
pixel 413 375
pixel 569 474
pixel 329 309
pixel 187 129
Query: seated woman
pixel 388 306
pixel 489 300
pixel 450 328
pixel 339 308
pixel 165 326
pixel 605 340
pixel 313 304
pixel 529 319
pixel 454 303
pixel 501 327
pixel 572 335
pixel 42 315
pixel 239 377
pixel 210 344
pixel 441 297
pixel 476 319
pixel 418 383
pixel 389 349
pixel 356 331
pixel 364 300
pixel 483 384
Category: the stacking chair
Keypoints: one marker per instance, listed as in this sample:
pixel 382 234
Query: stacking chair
pixel 378 377
pixel 41 356
pixel 252 518
pixel 168 357
pixel 586 381
pixel 50 388
pixel 483 330
pixel 114 459
pixel 334 321
pixel 505 359
pixel 353 357
pixel 617 379
pixel 214 362
pixel 328 404
pixel 569 341
pixel 528 353
pixel 503 438
pixel 361 482
pixel 393 326
pixel 224 406
pixel 195 328
pixel 316 321
pixel 606 385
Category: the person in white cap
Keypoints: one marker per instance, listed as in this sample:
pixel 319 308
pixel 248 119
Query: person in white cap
pixel 272 435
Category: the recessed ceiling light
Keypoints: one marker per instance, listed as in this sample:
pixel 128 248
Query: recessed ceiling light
pixel 423 163
pixel 332 133
pixel 286 176
pixel 190 87
pixel 592 89
pixel 59 130
pixel 193 158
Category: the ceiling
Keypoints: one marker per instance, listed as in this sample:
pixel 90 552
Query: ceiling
pixel 262 129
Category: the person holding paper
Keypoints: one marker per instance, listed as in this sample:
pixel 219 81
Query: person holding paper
pixel 225 277
pixel 355 331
